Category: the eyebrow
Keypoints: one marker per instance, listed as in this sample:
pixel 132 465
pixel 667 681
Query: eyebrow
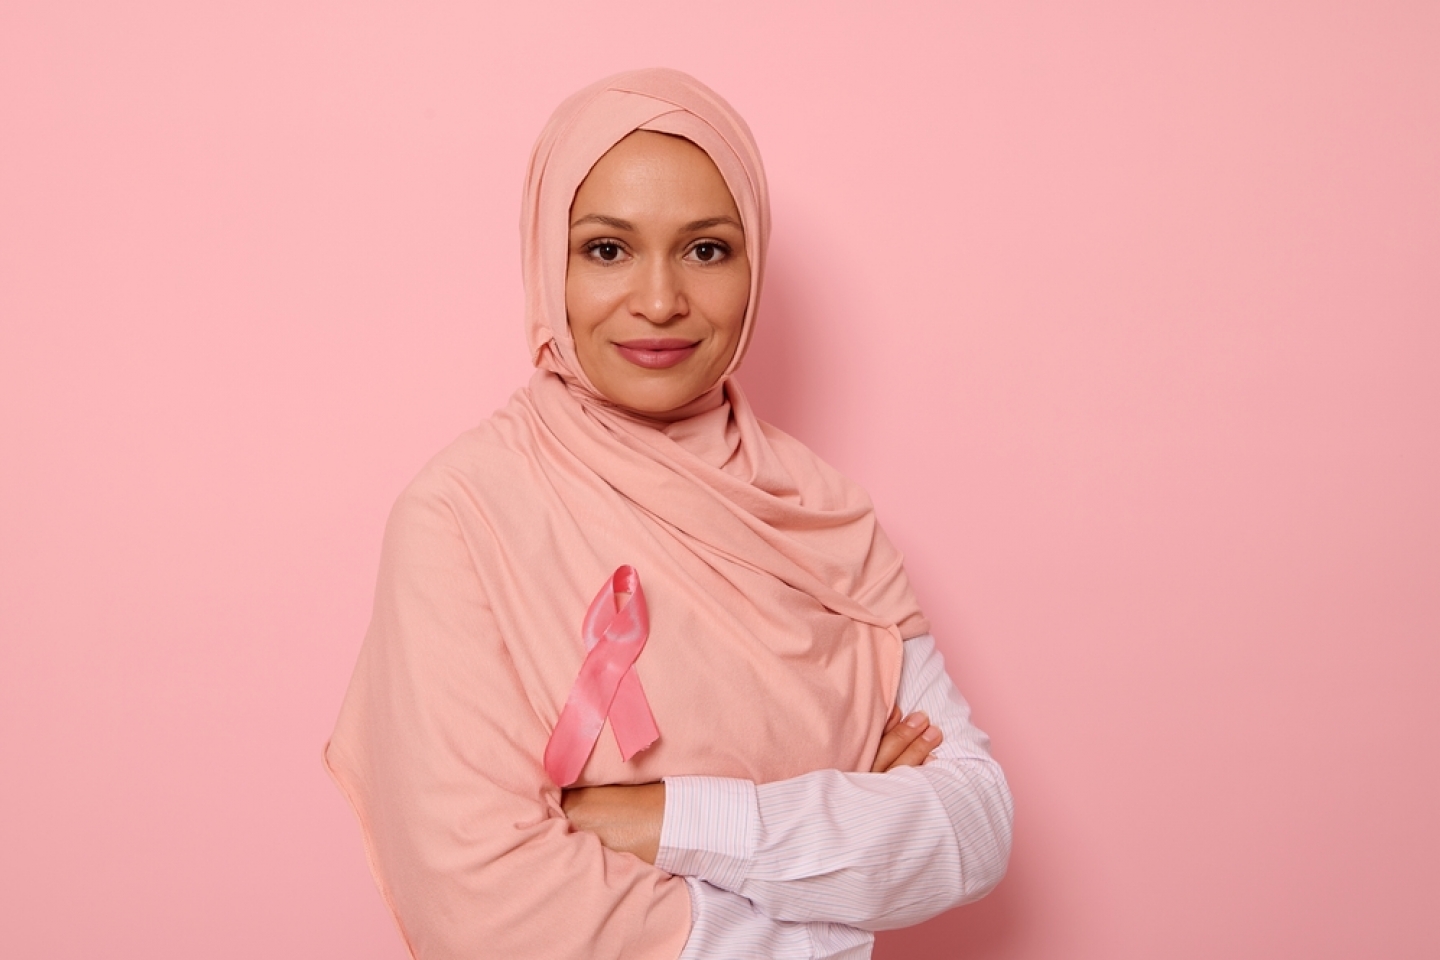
pixel 620 224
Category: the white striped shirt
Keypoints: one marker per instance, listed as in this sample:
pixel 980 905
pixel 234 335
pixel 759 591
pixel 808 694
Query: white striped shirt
pixel 806 868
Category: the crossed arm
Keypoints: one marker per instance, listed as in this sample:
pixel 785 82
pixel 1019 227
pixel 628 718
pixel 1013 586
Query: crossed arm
pixel 805 868
pixel 438 749
pixel 628 817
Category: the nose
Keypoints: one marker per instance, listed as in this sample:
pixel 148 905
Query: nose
pixel 658 291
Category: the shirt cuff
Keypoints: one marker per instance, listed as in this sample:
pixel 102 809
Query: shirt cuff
pixel 710 829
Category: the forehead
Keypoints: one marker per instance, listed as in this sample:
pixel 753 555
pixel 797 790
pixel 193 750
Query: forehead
pixel 654 173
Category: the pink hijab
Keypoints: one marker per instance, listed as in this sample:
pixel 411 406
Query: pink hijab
pixel 777 606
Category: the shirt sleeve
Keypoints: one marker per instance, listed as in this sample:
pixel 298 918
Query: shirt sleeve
pixel 725 924
pixel 870 850
pixel 438 749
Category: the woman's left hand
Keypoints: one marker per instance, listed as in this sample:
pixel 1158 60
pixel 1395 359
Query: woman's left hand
pixel 908 742
pixel 626 818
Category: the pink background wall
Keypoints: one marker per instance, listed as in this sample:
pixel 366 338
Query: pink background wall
pixel 1127 314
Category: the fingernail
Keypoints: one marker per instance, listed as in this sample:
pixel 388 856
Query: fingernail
pixel 916 720
pixel 931 735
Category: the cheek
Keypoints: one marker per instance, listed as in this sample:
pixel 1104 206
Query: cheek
pixel 730 303
pixel 583 300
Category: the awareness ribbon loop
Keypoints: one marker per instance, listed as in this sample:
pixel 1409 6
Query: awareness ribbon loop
pixel 615 632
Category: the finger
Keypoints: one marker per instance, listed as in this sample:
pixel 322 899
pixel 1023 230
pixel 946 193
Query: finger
pixel 895 717
pixel 896 740
pixel 891 742
pixel 892 745
pixel 919 749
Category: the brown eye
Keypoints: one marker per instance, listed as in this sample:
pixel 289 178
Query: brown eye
pixel 609 252
pixel 708 252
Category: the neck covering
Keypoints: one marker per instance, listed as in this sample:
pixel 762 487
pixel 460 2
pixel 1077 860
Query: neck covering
pixel 777 606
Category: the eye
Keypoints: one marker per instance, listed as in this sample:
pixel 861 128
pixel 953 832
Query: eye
pixel 709 251
pixel 606 251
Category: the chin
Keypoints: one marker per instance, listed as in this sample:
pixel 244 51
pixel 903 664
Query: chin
pixel 651 403
pixel 660 409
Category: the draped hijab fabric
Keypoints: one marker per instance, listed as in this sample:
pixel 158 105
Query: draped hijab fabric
pixel 777 605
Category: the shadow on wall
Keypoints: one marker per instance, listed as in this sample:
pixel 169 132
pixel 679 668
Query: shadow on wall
pixel 810 370
pixel 797 373
pixel 774 374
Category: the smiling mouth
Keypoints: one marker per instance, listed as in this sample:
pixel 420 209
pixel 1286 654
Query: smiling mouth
pixel 656 354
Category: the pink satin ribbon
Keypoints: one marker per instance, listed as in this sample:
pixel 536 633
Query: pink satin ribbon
pixel 615 632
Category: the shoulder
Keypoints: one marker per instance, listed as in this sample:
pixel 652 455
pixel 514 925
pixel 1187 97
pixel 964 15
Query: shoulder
pixel 478 472
pixel 498 450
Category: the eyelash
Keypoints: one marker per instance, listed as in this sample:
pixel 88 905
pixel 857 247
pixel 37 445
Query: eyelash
pixel 722 250
pixel 593 247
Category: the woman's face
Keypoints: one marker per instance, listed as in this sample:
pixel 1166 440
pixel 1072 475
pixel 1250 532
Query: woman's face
pixel 657 281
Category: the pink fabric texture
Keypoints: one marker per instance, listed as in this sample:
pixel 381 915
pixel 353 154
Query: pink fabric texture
pixel 777 606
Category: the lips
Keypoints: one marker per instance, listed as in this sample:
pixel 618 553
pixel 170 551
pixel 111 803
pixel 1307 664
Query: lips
pixel 657 354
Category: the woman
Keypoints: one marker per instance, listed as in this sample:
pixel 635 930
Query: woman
pixel 625 540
